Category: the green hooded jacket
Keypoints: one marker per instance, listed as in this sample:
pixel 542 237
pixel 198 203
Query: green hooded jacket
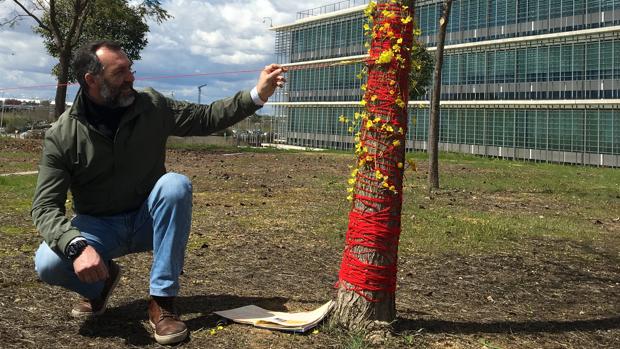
pixel 108 177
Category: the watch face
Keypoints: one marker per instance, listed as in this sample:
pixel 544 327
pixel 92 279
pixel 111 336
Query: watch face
pixel 76 248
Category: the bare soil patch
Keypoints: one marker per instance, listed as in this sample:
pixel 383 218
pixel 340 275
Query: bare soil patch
pixel 260 236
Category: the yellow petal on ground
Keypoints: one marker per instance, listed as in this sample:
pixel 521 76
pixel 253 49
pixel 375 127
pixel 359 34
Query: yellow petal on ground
pixel 412 164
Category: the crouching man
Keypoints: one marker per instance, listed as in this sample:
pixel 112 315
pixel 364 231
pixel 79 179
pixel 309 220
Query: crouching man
pixel 108 149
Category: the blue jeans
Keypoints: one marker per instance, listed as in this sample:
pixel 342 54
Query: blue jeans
pixel 161 224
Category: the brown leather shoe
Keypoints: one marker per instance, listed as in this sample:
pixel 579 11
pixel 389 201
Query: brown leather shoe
pixel 168 328
pixel 93 307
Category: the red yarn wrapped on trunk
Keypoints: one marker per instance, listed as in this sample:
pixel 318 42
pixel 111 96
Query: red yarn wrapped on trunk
pixel 369 261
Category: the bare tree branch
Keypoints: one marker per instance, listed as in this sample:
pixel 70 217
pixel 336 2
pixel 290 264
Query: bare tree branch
pixel 32 15
pixel 13 20
pixel 77 11
pixel 55 29
pixel 73 41
pixel 40 5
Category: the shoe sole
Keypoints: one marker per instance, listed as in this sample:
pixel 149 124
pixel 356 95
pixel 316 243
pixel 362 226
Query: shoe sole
pixel 170 338
pixel 80 314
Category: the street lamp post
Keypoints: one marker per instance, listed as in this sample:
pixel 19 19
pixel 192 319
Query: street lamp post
pixel 199 91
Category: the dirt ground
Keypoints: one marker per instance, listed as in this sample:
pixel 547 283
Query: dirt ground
pixel 258 238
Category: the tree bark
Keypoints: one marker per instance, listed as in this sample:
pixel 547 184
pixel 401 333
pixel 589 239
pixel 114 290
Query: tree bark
pixel 380 151
pixel 63 78
pixel 433 128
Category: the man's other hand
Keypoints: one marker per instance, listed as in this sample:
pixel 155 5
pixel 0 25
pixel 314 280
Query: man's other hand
pixel 89 266
pixel 270 78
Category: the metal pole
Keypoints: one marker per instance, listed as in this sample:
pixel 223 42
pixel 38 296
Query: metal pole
pixel 199 91
pixel 2 114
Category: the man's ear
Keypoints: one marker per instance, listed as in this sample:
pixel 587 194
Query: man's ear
pixel 90 79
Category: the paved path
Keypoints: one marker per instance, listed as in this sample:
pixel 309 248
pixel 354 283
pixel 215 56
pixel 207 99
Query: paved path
pixel 18 173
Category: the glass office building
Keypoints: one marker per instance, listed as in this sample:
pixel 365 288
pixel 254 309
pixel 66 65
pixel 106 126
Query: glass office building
pixel 522 79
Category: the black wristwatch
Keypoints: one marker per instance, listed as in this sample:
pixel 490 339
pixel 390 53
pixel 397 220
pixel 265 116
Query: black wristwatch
pixel 75 249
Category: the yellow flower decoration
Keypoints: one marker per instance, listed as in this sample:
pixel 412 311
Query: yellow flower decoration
pixel 370 8
pixel 388 14
pixel 406 20
pixel 412 164
pixel 385 57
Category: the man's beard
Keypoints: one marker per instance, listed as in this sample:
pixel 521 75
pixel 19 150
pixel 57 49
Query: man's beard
pixel 113 98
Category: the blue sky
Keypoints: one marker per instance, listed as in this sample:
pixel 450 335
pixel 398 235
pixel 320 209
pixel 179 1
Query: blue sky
pixel 203 37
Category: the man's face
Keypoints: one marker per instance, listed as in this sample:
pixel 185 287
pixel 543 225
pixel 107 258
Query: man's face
pixel 113 87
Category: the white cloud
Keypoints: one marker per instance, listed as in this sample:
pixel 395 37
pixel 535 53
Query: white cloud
pixel 203 37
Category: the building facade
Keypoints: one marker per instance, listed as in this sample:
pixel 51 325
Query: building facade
pixel 522 79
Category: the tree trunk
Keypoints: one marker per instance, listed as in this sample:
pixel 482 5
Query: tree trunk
pixel 433 128
pixel 63 78
pixel 367 279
